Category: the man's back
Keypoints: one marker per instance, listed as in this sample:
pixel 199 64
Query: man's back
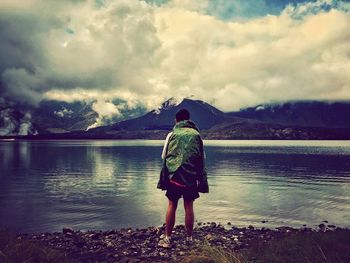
pixel 183 155
pixel 184 148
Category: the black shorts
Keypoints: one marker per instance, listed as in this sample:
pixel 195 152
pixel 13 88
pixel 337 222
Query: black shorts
pixel 174 192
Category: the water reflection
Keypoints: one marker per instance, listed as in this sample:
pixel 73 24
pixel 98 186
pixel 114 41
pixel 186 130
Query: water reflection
pixel 112 184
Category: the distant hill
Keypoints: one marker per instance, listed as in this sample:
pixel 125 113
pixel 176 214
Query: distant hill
pixel 305 113
pixel 273 131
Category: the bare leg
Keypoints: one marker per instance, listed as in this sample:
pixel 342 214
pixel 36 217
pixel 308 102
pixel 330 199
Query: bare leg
pixel 189 217
pixel 170 217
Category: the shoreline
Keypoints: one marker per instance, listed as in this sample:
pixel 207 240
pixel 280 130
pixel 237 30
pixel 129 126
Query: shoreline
pixel 140 244
pixel 53 138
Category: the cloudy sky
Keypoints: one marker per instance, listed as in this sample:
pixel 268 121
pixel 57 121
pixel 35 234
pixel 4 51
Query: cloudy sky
pixel 231 53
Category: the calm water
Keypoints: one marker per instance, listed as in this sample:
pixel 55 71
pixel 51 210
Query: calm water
pixel 46 185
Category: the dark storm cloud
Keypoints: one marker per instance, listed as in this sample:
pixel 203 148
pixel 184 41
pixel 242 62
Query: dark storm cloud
pixel 22 53
pixel 65 45
pixel 24 68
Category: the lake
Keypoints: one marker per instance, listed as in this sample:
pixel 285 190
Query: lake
pixel 96 184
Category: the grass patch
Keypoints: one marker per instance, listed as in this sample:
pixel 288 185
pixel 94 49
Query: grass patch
pixel 213 254
pixel 315 247
pixel 331 246
pixel 13 250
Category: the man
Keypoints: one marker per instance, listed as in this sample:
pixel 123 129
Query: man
pixel 183 173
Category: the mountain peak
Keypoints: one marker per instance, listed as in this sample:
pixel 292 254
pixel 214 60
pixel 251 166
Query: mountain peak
pixel 170 103
pixel 162 118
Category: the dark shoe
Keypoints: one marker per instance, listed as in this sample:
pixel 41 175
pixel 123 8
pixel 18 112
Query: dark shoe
pixel 189 240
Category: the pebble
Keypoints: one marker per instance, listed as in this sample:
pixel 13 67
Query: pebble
pixel 67 230
pixel 321 226
pixel 110 244
pixel 209 237
pixel 124 260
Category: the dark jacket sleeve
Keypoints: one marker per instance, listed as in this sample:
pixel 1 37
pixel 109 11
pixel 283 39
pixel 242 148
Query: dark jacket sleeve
pixel 203 186
pixel 163 181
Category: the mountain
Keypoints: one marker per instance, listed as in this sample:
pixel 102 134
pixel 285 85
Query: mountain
pixel 163 118
pixel 52 116
pixel 290 120
pixel 47 117
pixel 300 113
pixel 59 116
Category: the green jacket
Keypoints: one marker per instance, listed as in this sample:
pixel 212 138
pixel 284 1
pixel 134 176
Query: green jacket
pixel 184 158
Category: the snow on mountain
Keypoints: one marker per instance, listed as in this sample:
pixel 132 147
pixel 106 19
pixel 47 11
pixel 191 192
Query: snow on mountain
pixel 172 102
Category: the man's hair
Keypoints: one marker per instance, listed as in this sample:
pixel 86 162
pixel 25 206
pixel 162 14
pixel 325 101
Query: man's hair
pixel 182 115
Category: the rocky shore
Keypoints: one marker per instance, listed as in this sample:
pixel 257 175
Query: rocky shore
pixel 140 245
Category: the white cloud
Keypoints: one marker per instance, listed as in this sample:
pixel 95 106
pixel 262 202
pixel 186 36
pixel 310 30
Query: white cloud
pixel 18 5
pixel 147 53
pixel 273 58
pixel 192 5
pixel 64 112
pixel 105 110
